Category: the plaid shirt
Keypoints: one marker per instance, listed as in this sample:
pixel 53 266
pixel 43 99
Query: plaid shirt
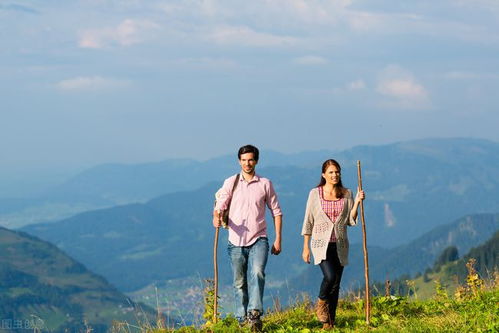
pixel 332 208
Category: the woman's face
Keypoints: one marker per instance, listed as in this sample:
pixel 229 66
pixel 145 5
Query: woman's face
pixel 332 175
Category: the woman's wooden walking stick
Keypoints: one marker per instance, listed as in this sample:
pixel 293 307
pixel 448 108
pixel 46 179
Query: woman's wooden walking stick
pixel 364 241
pixel 215 282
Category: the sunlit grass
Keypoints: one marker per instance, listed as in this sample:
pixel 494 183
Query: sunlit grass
pixel 473 308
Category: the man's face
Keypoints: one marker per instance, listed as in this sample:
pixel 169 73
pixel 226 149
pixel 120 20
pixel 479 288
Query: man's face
pixel 248 163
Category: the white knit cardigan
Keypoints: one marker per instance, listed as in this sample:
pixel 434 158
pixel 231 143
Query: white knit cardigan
pixel 319 225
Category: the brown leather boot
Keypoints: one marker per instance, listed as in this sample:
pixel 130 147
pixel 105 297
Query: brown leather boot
pixel 322 310
pixel 327 326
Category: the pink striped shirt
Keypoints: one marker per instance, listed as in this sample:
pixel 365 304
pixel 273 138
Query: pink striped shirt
pixel 247 210
pixel 332 208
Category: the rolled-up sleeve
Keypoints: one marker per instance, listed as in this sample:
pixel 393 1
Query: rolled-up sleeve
pixel 272 201
pixel 308 221
pixel 223 194
pixel 351 221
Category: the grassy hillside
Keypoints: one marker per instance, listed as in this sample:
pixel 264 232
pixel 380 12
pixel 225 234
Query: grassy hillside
pixel 475 310
pixel 42 286
pixel 451 273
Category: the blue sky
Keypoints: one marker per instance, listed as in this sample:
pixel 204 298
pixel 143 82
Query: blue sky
pixel 89 82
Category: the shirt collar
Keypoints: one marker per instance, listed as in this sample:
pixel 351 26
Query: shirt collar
pixel 254 179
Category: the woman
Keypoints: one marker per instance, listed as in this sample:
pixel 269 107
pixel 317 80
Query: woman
pixel 330 208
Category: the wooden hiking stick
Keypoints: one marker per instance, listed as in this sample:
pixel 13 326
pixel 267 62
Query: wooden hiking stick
pixel 215 282
pixel 364 241
pixel 215 247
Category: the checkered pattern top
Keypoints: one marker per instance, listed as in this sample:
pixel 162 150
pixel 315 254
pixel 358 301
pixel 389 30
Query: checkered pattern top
pixel 318 225
pixel 332 208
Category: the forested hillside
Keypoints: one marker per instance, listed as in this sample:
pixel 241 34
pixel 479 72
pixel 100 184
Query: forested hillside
pixel 43 288
pixel 449 270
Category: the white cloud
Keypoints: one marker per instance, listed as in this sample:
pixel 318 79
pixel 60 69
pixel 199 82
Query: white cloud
pixel 92 83
pixel 245 36
pixel 402 88
pixel 310 60
pixel 389 216
pixel 264 23
pixel 127 33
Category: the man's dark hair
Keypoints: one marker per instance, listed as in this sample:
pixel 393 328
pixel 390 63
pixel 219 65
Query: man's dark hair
pixel 248 149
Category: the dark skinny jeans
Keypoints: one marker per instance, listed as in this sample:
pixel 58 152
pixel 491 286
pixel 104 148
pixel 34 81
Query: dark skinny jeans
pixel 330 286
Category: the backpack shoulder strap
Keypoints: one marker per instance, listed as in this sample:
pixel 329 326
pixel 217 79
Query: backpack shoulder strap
pixel 235 184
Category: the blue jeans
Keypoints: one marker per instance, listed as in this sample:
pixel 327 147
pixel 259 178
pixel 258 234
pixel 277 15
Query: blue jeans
pixel 249 296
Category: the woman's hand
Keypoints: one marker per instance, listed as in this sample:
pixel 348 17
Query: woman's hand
pixel 361 195
pixel 306 255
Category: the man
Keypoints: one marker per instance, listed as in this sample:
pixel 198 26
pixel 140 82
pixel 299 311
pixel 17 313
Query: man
pixel 248 242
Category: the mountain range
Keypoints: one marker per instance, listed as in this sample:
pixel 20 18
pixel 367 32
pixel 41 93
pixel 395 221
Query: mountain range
pixel 398 176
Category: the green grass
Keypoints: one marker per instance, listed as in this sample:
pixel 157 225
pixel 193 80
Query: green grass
pixel 471 309
pixel 425 288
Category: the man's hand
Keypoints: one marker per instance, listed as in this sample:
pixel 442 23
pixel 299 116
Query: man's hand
pixel 276 247
pixel 217 219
